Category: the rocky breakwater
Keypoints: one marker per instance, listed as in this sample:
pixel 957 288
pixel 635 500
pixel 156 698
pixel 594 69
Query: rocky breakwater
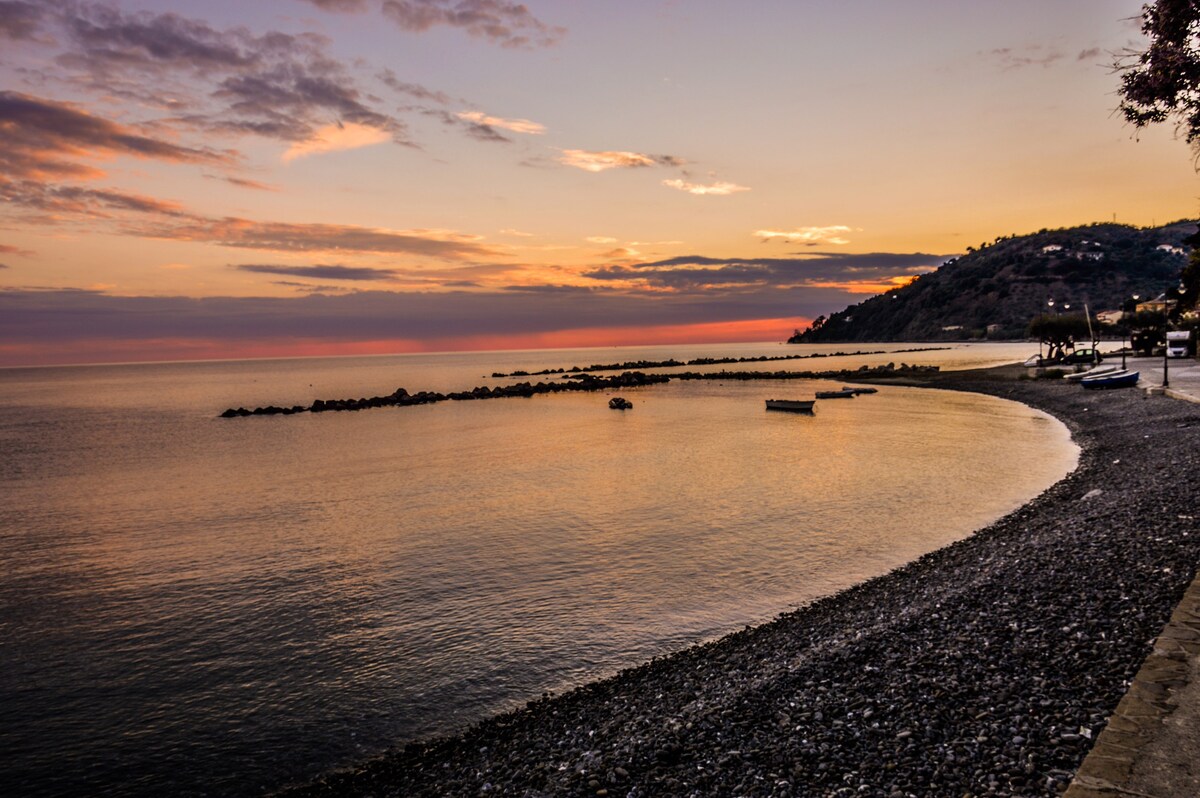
pixel 402 398
pixel 582 381
pixel 886 371
pixel 984 668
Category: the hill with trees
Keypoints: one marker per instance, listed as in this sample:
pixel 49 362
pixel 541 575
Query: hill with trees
pixel 996 290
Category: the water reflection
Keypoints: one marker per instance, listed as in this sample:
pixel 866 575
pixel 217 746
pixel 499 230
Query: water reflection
pixel 194 605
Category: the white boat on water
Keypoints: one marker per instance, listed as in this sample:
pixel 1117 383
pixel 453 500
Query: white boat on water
pixel 792 405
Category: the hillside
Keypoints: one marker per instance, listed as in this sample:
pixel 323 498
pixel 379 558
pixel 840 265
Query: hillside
pixel 1011 280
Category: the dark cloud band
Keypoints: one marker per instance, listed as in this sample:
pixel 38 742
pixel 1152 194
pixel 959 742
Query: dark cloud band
pixel 320 272
pixel 60 317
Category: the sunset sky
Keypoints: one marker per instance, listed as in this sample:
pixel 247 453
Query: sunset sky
pixel 290 177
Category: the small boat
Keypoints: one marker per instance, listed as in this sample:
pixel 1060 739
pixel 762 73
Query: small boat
pixel 620 403
pixel 860 391
pixel 1115 379
pixel 845 393
pixel 792 405
pixel 1096 372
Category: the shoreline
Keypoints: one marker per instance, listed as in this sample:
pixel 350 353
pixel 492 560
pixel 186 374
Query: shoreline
pixel 985 667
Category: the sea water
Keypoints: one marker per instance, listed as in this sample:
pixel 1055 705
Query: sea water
pixel 192 605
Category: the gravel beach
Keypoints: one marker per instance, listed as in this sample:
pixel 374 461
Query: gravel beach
pixel 984 668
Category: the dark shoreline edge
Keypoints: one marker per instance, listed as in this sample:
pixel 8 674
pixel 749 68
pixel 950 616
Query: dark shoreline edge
pixel 985 667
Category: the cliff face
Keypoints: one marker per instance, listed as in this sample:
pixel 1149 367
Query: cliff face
pixel 1010 281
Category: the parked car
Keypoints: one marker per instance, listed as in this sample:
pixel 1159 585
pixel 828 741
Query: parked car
pixel 1088 355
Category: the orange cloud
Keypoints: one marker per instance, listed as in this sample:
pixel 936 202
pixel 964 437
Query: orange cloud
pixel 331 138
pixel 599 161
pixel 718 189
pixel 867 286
pixel 514 125
pixel 834 234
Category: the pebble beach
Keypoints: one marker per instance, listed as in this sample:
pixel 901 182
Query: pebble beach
pixel 985 668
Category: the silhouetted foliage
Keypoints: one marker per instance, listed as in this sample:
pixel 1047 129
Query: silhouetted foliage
pixel 1059 332
pixel 1163 81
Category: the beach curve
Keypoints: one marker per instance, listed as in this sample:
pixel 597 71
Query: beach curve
pixel 985 667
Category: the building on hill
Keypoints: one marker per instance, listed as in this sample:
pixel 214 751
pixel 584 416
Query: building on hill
pixel 1160 304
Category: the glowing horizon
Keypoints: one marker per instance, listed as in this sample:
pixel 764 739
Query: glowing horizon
pixel 289 176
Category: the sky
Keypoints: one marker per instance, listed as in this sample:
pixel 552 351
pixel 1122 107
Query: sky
pixel 183 180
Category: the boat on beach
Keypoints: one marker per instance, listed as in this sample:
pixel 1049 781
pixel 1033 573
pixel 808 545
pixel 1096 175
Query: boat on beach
pixel 1095 372
pixel 792 405
pixel 1115 379
pixel 844 393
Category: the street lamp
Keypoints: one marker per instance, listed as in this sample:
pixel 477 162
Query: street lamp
pixel 1166 349
pixel 1125 330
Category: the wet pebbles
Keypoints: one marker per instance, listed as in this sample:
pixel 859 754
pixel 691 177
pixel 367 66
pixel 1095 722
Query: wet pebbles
pixel 985 668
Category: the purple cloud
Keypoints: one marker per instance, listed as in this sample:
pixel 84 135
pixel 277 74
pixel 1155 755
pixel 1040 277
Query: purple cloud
pixel 19 21
pixel 414 90
pixel 62 200
pixel 231 231
pixel 344 6
pixel 275 84
pixel 64 316
pixel 319 272
pixel 44 139
pixel 503 23
pixel 1030 55
pixel 696 272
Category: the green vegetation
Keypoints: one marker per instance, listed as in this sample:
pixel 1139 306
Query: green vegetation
pixel 997 290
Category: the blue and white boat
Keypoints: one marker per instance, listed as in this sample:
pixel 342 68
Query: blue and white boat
pixel 1115 379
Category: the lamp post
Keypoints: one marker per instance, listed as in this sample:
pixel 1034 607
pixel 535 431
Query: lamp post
pixel 1125 329
pixel 1166 349
pixel 1166 376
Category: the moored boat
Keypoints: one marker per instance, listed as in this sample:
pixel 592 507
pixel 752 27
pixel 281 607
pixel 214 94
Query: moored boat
pixel 845 393
pixel 1037 361
pixel 792 405
pixel 1116 379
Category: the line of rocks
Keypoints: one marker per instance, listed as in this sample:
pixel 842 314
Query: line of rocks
pixel 888 370
pixel 984 668
pixel 573 382
pixel 701 361
pixel 402 398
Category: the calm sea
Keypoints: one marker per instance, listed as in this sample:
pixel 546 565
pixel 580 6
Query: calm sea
pixel 190 605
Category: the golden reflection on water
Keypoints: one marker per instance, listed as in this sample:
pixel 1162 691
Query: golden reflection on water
pixel 200 596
